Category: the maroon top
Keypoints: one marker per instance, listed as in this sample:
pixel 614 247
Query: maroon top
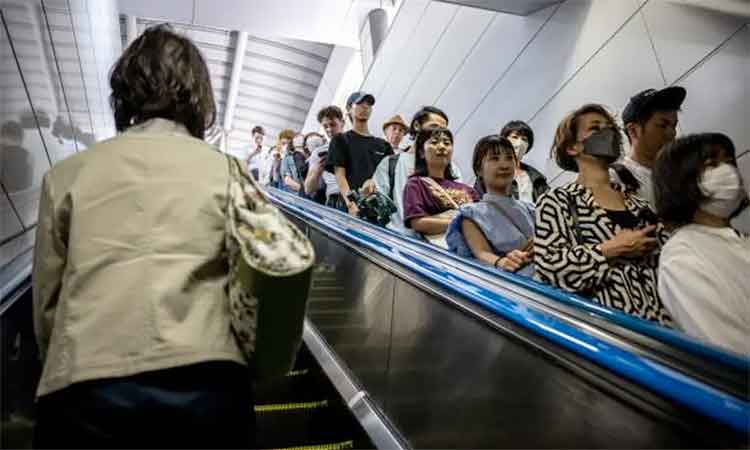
pixel 423 200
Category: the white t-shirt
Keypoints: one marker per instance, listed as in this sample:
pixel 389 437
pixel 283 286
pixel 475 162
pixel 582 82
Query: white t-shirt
pixel 329 179
pixel 525 188
pixel 643 175
pixel 255 161
pixel 704 282
pixel 404 169
pixel 265 164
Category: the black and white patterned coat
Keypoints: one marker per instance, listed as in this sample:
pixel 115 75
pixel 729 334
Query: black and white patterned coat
pixel 626 284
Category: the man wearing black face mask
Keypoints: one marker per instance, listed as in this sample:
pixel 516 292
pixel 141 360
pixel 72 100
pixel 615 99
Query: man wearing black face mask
pixel 592 238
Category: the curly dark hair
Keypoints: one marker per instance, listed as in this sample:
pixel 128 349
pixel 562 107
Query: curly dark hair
pixel 420 163
pixel 490 145
pixel 162 74
pixel 677 171
pixel 520 127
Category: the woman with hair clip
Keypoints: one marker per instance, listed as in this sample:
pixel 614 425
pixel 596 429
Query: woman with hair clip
pixel 432 196
pixel 704 270
pixel 131 270
pixel 498 230
pixel 590 237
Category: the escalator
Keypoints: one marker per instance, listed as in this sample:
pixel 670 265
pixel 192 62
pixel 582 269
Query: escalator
pixel 406 346
pixel 456 355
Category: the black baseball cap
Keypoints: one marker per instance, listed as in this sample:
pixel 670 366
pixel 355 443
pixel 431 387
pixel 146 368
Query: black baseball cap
pixel 667 99
pixel 359 97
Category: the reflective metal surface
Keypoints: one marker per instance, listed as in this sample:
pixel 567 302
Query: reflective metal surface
pixel 352 309
pixel 455 377
pixel 20 370
pixel 54 62
pixel 376 426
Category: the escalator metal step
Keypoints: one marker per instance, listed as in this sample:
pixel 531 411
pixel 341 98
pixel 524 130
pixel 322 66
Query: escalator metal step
pixel 276 407
pixel 346 445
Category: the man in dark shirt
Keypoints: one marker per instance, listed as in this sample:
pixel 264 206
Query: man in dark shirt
pixel 354 155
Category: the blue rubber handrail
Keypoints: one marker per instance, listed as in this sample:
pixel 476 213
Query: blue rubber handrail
pixel 645 327
pixel 667 382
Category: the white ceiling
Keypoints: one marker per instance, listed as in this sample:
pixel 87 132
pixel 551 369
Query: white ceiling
pixel 334 22
pixel 278 80
pixel 519 7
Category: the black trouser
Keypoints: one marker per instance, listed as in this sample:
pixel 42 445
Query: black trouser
pixel 255 174
pixel 336 201
pixel 207 405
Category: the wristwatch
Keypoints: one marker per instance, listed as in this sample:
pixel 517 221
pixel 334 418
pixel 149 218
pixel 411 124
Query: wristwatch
pixel 350 197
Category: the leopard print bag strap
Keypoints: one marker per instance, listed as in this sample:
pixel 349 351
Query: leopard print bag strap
pixel 270 264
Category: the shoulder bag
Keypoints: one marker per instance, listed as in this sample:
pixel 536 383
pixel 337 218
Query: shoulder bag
pixel 270 265
pixel 439 238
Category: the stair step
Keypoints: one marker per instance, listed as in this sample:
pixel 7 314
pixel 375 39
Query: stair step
pixel 346 445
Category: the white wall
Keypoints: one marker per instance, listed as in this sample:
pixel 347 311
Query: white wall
pixel 485 68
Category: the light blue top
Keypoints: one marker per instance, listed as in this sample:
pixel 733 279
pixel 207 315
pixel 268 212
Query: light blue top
pixel 289 168
pixel 501 233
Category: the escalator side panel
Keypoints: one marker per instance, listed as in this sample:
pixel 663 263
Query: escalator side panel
pixel 447 379
pixel 454 382
pixel 352 310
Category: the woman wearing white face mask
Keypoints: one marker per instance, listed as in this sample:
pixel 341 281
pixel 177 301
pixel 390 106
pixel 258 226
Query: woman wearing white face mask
pixel 704 271
pixel 528 183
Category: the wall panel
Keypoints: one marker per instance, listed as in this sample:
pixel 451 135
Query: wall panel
pixel 681 43
pixel 413 58
pixel 569 39
pixel 504 40
pixel 539 67
pixel 448 57
pixel 718 94
pixel 402 32
pixel 606 80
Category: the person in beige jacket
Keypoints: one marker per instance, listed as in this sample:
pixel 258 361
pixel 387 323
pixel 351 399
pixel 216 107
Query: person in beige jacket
pixel 130 273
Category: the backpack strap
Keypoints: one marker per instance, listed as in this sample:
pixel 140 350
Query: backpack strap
pixel 627 178
pixel 392 161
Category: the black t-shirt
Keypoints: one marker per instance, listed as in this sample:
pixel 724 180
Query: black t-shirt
pixel 358 154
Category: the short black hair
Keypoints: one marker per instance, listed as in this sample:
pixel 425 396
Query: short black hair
pixel 258 129
pixel 420 162
pixel 677 171
pixel 492 144
pixel 330 112
pixel 422 115
pixel 643 117
pixel 520 127
pixel 162 74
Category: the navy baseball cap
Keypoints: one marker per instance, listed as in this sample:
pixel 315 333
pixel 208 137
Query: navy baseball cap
pixel 667 99
pixel 359 97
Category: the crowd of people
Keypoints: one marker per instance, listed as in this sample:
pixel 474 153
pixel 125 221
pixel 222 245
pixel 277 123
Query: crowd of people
pixel 625 233
pixel 131 267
